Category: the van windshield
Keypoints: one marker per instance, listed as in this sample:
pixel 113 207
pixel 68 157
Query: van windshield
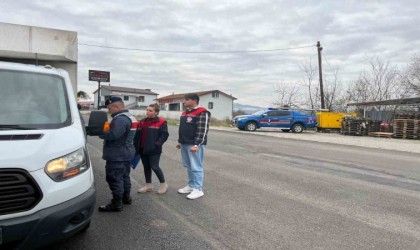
pixel 33 101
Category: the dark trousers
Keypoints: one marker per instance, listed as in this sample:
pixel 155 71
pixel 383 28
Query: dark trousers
pixel 151 162
pixel 118 177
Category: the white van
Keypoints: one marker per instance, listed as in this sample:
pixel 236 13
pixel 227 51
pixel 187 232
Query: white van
pixel 47 188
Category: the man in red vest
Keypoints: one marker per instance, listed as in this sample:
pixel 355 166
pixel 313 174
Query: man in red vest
pixel 192 140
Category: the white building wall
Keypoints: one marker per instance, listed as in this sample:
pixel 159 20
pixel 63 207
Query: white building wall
pixel 104 92
pixel 176 114
pixel 148 99
pixel 222 106
pixel 131 98
pixel 95 100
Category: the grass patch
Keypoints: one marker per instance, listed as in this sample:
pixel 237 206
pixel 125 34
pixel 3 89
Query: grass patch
pixel 172 122
pixel 219 123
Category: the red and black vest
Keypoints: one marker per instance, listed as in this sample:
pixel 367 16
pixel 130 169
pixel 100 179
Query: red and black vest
pixel 150 136
pixel 189 132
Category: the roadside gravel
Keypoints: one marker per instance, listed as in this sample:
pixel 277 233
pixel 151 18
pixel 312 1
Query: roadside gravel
pixel 336 138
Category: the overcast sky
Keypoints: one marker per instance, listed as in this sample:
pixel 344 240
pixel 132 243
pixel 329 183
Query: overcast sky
pixel 349 32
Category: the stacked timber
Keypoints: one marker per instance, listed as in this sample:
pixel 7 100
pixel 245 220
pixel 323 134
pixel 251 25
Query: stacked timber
pixel 381 134
pixel 354 126
pixel 406 128
pixel 374 126
pixel 414 116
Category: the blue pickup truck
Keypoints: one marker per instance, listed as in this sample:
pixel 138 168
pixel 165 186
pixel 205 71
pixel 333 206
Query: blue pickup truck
pixel 285 120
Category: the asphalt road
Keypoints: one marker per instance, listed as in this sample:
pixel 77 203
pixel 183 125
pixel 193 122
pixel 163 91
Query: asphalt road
pixel 267 193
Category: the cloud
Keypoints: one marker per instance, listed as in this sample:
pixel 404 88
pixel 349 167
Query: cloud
pixel 349 32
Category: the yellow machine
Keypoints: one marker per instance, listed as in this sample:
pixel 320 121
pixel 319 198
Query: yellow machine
pixel 331 120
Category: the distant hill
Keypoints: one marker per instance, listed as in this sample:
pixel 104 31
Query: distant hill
pixel 248 109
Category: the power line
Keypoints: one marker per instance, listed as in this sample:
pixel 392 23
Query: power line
pixel 194 52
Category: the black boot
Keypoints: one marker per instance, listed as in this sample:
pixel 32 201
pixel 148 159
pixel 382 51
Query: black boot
pixel 116 205
pixel 127 199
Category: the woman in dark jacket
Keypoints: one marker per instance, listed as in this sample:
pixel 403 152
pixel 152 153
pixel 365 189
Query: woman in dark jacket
pixel 151 133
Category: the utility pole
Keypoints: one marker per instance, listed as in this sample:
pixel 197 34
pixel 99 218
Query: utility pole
pixel 321 86
pixel 99 76
pixel 99 94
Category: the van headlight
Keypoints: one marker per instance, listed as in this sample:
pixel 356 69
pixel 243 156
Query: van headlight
pixel 68 166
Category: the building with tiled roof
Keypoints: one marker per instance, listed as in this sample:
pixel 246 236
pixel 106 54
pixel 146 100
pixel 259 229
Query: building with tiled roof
pixel 217 102
pixel 132 97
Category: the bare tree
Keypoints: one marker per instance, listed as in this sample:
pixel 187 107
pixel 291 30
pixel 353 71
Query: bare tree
pixel 359 91
pixel 313 94
pixel 379 83
pixel 286 94
pixel 332 89
pixel 340 104
pixel 411 76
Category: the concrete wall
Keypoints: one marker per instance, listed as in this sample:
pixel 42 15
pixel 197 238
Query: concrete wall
pixel 58 48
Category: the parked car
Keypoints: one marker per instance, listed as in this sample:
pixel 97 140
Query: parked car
pixel 286 120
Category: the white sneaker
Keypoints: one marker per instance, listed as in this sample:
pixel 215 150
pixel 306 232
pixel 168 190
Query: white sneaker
pixel 195 194
pixel 185 190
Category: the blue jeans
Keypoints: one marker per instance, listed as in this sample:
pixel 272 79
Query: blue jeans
pixel 194 164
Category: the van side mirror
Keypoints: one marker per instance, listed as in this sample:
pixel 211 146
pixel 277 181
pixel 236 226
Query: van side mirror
pixel 97 120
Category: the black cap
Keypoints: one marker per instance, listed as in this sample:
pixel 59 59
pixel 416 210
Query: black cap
pixel 113 99
pixel 192 96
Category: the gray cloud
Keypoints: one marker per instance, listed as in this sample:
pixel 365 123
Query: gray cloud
pixel 349 31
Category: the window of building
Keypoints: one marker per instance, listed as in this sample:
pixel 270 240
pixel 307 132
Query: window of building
pixel 174 107
pixel 140 98
pixel 210 105
pixel 126 98
pixel 215 94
